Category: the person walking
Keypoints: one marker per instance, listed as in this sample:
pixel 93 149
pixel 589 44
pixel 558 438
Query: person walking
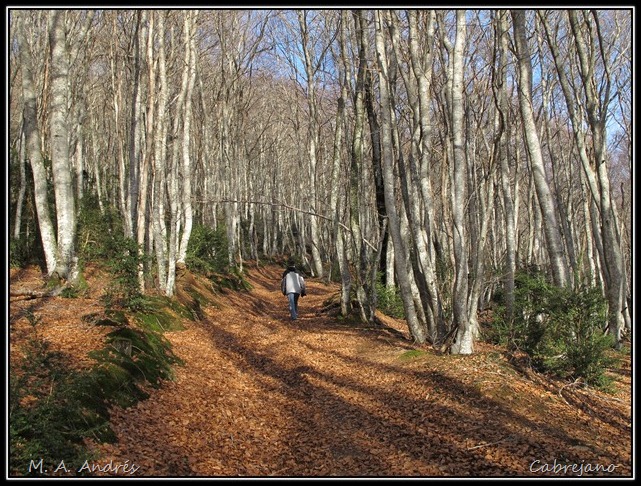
pixel 293 286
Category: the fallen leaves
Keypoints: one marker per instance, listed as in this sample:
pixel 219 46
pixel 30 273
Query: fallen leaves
pixel 262 396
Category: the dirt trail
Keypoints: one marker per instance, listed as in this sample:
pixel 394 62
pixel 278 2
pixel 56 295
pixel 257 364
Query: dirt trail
pixel 260 395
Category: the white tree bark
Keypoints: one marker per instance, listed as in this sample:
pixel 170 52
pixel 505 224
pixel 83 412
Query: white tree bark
pixel 22 158
pixel 173 175
pixel 66 261
pixel 160 153
pixel 417 331
pixel 135 128
pixel 190 45
pixel 418 196
pixel 143 234
pixel 464 342
pixel 34 147
pixel 553 241
pixel 506 185
pixel 312 139
pixel 337 199
pixel 594 110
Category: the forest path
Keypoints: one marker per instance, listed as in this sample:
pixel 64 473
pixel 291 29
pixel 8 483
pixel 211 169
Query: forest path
pixel 260 395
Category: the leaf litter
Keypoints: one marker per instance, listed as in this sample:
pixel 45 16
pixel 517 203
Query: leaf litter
pixel 260 395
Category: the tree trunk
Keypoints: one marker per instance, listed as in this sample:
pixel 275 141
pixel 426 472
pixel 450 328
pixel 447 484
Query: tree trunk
pixel 159 162
pixel 142 227
pixel 66 262
pixel 34 148
pixel 173 174
pixel 553 241
pixel 464 342
pixel 501 99
pixel 597 117
pixel 313 141
pixel 416 190
pixel 190 46
pixel 22 158
pixel 336 196
pixel 595 169
pixel 357 200
pixel 417 331
pixel 135 131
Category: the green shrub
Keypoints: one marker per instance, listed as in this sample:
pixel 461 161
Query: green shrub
pixel 559 328
pixel 524 330
pixel 124 288
pixel 207 251
pixel 155 314
pixel 99 232
pixel 101 239
pixel 388 300
pixel 135 356
pixel 233 279
pixel 573 344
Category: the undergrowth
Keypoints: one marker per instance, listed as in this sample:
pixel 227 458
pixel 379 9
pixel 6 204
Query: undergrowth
pixel 560 329
pixel 54 409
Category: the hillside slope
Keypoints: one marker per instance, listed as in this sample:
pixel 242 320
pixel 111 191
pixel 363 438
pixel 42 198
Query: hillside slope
pixel 260 395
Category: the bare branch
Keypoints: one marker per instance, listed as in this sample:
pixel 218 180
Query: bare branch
pixel 292 208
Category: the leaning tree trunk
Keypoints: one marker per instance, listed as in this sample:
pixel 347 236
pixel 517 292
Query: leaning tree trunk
pixel 553 240
pixel 22 157
pixel 416 190
pixel 417 331
pixel 598 180
pixel 422 69
pixel 597 116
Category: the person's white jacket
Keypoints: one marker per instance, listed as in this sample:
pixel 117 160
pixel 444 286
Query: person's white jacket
pixel 293 282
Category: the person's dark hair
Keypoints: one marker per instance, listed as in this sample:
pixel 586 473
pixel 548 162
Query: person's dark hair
pixel 291 267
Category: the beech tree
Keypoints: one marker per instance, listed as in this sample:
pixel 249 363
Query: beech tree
pixel 465 333
pixel 437 152
pixel 59 246
pixel 588 107
pixel 339 170
pixel 500 91
pixel 33 141
pixel 417 331
pixel 544 196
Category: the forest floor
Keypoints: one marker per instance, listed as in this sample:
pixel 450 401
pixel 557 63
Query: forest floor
pixel 261 396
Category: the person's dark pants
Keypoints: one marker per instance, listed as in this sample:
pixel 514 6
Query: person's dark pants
pixel 293 304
